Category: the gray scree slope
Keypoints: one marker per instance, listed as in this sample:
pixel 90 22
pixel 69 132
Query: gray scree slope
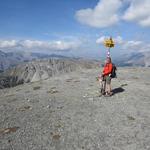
pixel 66 113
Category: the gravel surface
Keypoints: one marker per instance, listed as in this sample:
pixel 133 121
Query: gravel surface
pixel 67 112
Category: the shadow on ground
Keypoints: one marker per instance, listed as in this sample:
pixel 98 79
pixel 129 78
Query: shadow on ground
pixel 118 90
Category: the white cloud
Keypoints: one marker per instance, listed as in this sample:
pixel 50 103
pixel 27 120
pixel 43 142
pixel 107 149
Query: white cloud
pixel 117 40
pixel 101 40
pixel 103 15
pixel 138 11
pixel 36 45
pixel 127 45
pixel 7 43
pixel 109 12
pixel 133 45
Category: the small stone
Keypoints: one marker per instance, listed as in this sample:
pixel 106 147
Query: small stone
pixel 28 100
pixel 56 137
pixel 8 130
pixel 91 98
pixel 24 108
pixel 48 106
pixel 85 95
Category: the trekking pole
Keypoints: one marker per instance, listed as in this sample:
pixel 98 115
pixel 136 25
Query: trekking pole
pixel 104 86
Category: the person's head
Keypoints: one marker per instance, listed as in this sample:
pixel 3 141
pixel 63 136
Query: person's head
pixel 108 60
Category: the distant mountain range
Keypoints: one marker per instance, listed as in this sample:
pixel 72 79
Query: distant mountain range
pixel 11 59
pixel 134 59
pixel 18 68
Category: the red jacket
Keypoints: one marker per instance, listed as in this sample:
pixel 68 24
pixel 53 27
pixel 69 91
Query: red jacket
pixel 107 69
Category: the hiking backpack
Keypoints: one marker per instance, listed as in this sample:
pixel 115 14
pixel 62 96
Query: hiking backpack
pixel 113 73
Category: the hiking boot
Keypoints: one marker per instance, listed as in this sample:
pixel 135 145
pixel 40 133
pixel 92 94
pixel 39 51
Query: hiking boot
pixel 108 94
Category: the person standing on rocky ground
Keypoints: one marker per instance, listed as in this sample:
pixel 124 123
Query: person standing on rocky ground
pixel 107 70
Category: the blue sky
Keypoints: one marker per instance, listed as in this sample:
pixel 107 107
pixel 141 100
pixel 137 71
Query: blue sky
pixel 74 27
pixel 34 18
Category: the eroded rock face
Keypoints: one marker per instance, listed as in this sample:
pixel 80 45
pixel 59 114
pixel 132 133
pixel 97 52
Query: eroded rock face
pixel 40 70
